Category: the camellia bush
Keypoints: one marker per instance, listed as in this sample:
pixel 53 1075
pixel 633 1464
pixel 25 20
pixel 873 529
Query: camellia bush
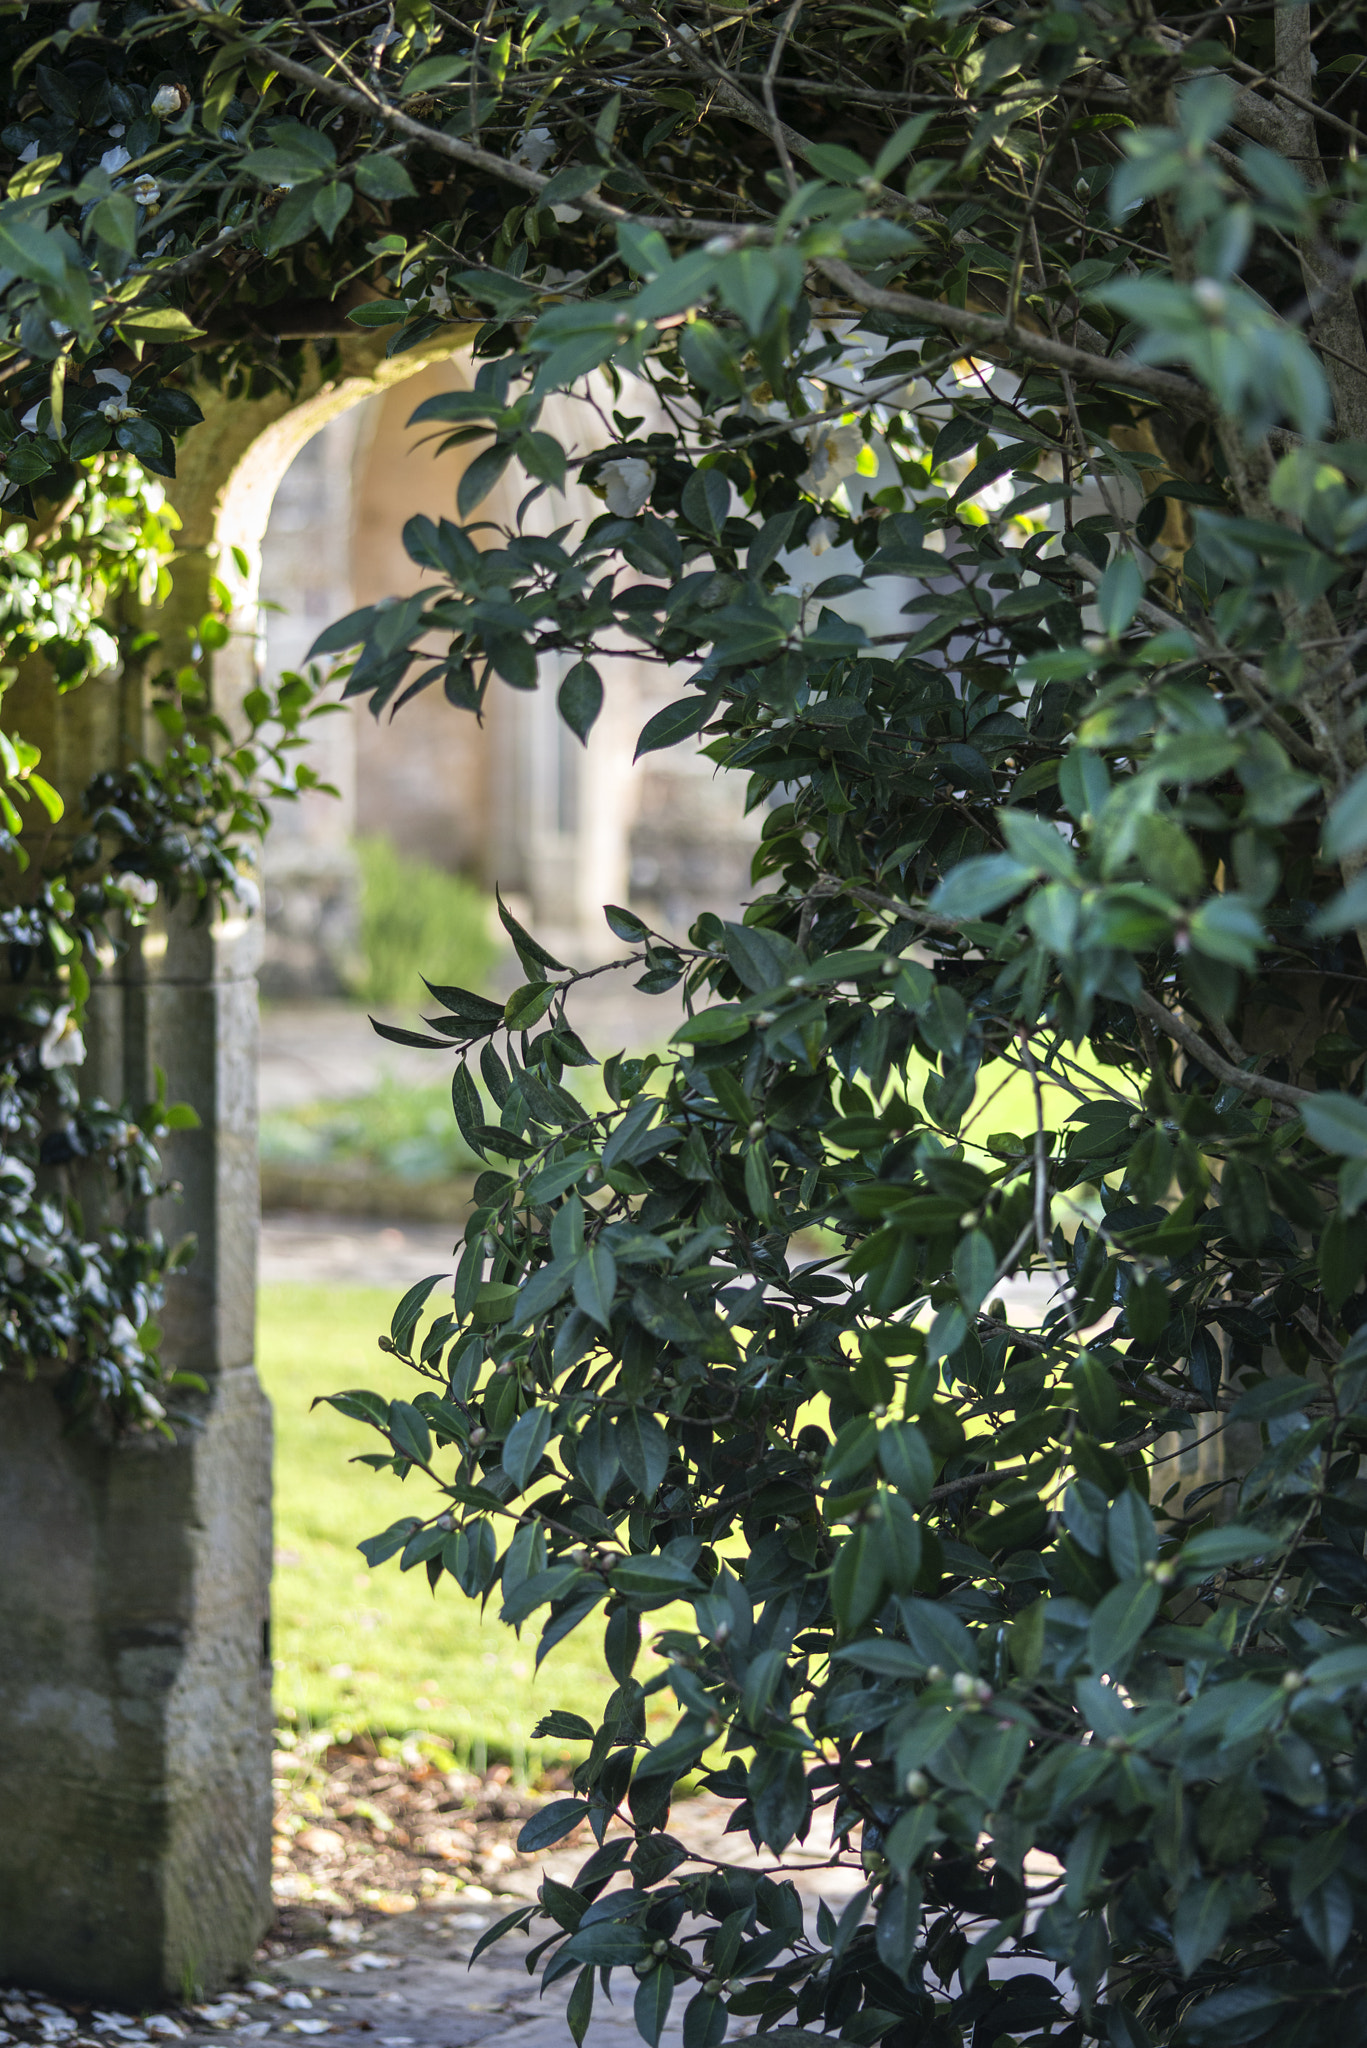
pixel 987 403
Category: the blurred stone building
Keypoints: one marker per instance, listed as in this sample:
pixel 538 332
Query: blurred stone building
pixel 518 800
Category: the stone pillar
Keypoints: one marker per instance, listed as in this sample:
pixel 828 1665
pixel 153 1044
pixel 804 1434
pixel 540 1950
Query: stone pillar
pixel 135 1670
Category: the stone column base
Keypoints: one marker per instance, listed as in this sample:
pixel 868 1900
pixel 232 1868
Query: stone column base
pixel 134 1697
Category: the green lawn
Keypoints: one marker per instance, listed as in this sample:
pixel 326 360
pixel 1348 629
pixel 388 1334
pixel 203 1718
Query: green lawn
pixel 375 1650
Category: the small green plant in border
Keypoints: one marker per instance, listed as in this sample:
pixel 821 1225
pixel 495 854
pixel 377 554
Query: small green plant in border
pixel 416 921
pixel 394 1129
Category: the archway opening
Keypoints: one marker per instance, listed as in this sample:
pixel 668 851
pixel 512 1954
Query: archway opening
pixel 365 1183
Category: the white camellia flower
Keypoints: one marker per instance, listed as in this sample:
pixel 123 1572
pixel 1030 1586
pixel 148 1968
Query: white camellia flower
pixel 114 159
pixel 141 888
pixel 832 454
pixel 63 1045
pixel 166 101
pixel 146 190
pixel 534 148
pixel 116 406
pixel 627 483
pixel 16 1179
pixel 821 535
pixel 439 297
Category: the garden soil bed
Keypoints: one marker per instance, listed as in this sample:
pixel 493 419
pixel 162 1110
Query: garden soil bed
pixel 340 1190
pixel 361 1833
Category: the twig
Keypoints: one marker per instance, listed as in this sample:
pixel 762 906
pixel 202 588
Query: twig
pixel 1243 676
pixel 977 1482
pixel 1191 1042
pixel 1043 1234
pixel 988 329
pixel 776 129
pixel 1161 385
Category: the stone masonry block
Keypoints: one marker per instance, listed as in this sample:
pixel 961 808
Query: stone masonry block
pixel 134 1696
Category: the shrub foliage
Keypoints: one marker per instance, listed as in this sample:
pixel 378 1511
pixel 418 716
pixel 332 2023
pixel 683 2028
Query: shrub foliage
pixel 1041 323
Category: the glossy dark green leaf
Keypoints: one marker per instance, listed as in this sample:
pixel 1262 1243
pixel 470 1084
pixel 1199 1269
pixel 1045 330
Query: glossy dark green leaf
pixel 1119 1624
pixel 595 1283
pixel 550 1824
pixel 642 1449
pixel 581 698
pixel 524 1443
pixel 676 722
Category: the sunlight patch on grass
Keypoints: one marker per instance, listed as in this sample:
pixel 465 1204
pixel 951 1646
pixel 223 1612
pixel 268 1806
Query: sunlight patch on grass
pixel 376 1650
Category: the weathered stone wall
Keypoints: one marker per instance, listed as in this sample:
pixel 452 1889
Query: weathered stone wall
pixel 134 1696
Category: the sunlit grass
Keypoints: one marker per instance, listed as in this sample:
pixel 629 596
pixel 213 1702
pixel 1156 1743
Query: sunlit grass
pixel 377 1650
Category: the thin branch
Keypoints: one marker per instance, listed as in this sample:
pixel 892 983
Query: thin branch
pixel 978 1482
pixel 987 329
pixel 362 100
pixel 1042 1217
pixel 1144 1005
pixel 1192 1043
pixel 776 127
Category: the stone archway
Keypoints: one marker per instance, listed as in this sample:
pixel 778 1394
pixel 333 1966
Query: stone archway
pixel 512 799
pixel 135 1728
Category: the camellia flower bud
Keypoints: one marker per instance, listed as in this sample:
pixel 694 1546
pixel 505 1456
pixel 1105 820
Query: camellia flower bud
pixel 1211 296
